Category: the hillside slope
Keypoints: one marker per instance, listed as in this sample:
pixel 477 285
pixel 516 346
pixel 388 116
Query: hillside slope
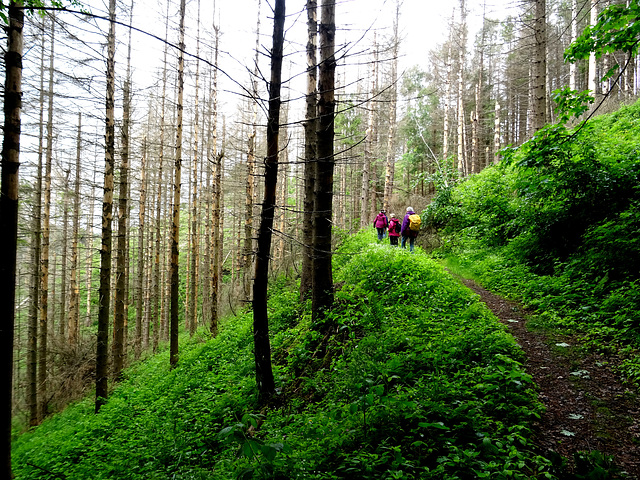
pixel 409 377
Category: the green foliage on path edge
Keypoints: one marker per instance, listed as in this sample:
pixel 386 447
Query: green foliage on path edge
pixel 409 377
pixel 556 226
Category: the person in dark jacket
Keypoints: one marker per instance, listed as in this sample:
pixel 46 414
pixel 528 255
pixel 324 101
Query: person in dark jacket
pixel 406 232
pixel 381 223
pixel 394 229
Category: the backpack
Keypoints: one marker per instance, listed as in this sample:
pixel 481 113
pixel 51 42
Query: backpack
pixel 414 222
pixel 394 226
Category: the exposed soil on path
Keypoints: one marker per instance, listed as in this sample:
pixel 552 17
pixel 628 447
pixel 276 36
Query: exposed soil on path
pixel 588 408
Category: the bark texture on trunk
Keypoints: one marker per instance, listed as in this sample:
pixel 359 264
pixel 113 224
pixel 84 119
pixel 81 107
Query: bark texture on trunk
pixel 262 347
pixel 74 299
pixel 9 223
pixel 310 145
pixel 322 297
pixel 104 294
pixel 175 226
pixel 540 67
pixel 32 334
pixel 43 324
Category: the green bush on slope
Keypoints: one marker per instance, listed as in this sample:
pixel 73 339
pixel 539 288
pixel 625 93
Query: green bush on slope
pixel 556 225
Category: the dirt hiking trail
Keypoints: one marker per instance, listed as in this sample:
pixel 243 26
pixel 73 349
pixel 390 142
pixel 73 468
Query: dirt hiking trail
pixel 587 406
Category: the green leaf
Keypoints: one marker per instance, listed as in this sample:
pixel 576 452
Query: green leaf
pixel 438 425
pixel 269 452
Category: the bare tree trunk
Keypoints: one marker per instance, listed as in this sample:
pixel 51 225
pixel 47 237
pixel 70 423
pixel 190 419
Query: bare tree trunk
pixel 461 138
pixel 207 172
pixel 573 66
pixel 310 148
pixel 390 160
pixel 284 186
pixel 251 167
pixel 120 318
pixel 475 168
pixel 9 221
pixel 592 80
pixel 539 90
pixel 32 334
pixel 262 348
pixel 74 300
pixel 175 226
pixel 216 207
pixel 368 145
pixel 141 254
pixel 90 242
pixel 44 260
pixel 63 261
pixel 158 274
pixel 195 229
pixel 373 136
pixel 496 134
pixel 447 94
pixel 102 355
pixel 322 297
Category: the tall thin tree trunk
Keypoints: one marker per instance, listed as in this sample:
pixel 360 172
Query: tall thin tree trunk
pixel 573 66
pixel 44 260
pixel 391 160
pixel 90 243
pixel 322 297
pixel 141 255
pixel 591 79
pixel 9 222
pixel 475 168
pixel 310 145
pixel 74 300
pixel 284 185
pixel 216 207
pixel 195 229
pixel 63 260
pixel 368 146
pixel 120 318
pixel 496 134
pixel 32 334
pixel 158 274
pixel 175 226
pixel 461 58
pixel 539 90
pixel 262 348
pixel 104 295
pixel 447 94
pixel 373 146
pixel 251 169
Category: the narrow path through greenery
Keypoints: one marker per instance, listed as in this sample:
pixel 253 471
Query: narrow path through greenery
pixel 588 408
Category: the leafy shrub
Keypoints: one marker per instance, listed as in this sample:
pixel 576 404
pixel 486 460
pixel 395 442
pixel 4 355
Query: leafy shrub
pixel 568 244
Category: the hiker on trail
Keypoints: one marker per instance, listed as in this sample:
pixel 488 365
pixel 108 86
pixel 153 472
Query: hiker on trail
pixel 381 223
pixel 394 229
pixel 410 228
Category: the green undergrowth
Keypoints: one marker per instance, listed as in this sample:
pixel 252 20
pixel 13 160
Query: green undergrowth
pixel 408 377
pixel 556 226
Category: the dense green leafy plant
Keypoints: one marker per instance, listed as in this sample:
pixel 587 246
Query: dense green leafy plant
pixel 569 245
pixel 408 377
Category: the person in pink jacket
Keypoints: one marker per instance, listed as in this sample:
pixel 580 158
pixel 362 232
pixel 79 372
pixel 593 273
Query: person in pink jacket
pixel 381 223
pixel 394 229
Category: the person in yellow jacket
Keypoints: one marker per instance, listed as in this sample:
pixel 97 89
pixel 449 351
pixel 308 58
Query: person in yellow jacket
pixel 408 230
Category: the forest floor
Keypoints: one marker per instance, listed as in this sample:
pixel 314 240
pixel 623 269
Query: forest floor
pixel 588 407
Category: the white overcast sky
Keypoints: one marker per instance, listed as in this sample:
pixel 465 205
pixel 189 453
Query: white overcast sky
pixel 423 26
